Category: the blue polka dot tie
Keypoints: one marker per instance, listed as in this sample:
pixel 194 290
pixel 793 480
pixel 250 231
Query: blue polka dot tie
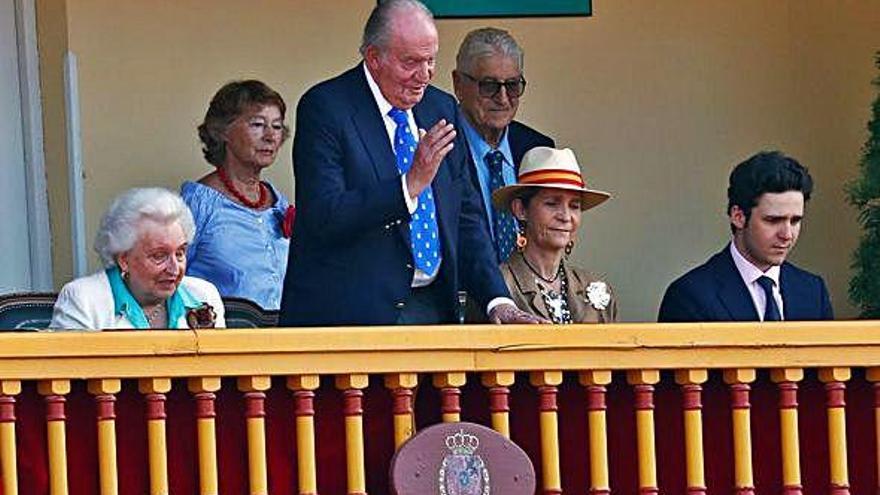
pixel 771 310
pixel 503 224
pixel 424 234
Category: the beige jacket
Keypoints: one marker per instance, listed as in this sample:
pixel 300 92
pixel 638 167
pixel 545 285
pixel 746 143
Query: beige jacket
pixel 525 293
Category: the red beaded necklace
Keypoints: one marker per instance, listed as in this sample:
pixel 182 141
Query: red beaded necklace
pixel 238 195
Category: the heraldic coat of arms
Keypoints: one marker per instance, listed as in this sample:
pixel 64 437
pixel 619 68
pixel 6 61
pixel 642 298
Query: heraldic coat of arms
pixel 462 471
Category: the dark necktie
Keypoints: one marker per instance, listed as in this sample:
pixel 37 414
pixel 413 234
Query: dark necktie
pixel 424 234
pixel 503 223
pixel 771 310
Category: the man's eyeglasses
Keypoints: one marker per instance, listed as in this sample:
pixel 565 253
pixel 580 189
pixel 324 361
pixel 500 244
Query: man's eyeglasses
pixel 489 88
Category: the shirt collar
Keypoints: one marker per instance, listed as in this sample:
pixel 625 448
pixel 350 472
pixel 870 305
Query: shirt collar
pixel 124 303
pixel 179 303
pixel 479 147
pixel 384 105
pixel 749 272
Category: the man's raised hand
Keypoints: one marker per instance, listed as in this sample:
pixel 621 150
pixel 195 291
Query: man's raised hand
pixel 433 147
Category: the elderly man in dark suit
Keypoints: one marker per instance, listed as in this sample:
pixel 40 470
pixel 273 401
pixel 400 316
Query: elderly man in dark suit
pixel 489 82
pixel 389 225
pixel 749 280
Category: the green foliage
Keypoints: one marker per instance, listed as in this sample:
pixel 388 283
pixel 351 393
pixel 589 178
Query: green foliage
pixel 864 194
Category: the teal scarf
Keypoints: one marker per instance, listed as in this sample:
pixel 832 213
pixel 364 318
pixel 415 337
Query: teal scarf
pixel 124 304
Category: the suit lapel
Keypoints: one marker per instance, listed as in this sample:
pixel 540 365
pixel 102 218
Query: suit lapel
pixel 794 299
pixel 528 287
pixel 426 118
pixel 471 166
pixel 582 311
pixel 371 128
pixel 516 148
pixel 732 291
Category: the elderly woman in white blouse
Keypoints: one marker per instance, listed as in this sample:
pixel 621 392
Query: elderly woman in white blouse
pixel 142 241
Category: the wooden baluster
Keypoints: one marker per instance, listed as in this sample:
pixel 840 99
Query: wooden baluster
pixel 547 382
pixel 643 384
pixel 834 379
pixel 595 382
pixel 449 384
pixel 786 379
pixel 402 385
pixel 54 392
pixel 104 391
pixel 690 381
pixel 738 380
pixel 154 390
pixel 8 462
pixel 254 388
pixel 352 387
pixel 873 376
pixel 304 387
pixel 203 389
pixel 498 383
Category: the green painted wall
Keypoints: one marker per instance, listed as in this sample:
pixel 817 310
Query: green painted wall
pixel 511 8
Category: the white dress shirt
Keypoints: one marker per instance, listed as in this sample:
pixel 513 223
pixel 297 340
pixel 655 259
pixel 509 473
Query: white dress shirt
pixel 420 278
pixel 750 275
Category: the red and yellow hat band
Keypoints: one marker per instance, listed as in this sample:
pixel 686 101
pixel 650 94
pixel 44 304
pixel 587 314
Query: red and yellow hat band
pixel 551 176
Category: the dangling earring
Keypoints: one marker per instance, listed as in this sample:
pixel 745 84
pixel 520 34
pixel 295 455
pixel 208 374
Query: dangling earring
pixel 568 248
pixel 521 240
pixel 123 273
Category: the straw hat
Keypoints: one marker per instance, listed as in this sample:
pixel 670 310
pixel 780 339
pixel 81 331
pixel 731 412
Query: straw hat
pixel 550 168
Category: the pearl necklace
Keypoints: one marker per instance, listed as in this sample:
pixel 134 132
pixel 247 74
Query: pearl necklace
pixel 557 302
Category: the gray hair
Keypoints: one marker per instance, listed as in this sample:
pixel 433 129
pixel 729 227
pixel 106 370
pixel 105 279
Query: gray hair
pixel 377 30
pixel 487 42
pixel 120 225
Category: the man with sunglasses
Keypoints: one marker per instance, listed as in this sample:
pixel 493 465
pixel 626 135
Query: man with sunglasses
pixel 488 81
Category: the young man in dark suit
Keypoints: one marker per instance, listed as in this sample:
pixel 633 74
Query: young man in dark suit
pixel 488 81
pixel 749 280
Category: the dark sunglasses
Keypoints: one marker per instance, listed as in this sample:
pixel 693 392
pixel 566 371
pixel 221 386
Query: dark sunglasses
pixel 489 88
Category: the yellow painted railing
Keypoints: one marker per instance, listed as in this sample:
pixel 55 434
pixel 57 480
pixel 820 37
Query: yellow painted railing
pixel 455 357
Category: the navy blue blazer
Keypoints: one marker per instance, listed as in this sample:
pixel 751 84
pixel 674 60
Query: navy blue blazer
pixel 522 138
pixel 715 291
pixel 350 262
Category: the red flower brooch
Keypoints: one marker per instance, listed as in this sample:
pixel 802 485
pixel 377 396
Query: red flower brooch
pixel 287 222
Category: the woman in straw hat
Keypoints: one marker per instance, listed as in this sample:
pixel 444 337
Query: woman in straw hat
pixel 547 202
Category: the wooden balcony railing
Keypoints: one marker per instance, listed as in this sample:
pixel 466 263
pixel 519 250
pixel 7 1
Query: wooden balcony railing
pixel 631 408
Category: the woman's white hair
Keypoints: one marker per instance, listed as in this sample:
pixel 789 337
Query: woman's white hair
pixel 121 224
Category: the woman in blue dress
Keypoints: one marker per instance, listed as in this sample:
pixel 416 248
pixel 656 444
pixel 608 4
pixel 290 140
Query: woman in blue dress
pixel 243 223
